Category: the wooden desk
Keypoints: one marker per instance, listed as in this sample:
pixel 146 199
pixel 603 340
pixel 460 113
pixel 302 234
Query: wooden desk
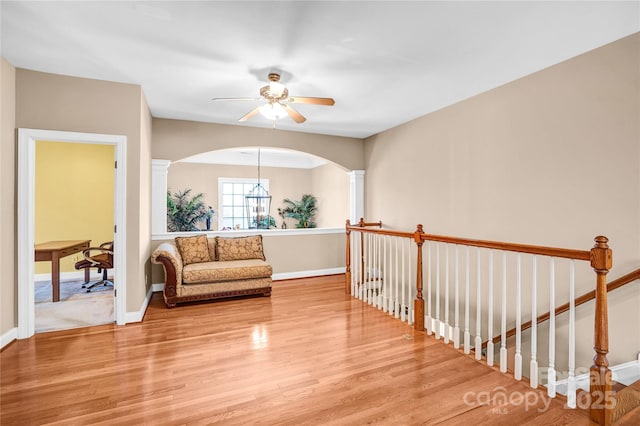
pixel 53 251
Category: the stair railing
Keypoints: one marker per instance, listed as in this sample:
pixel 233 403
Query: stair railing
pixel 374 254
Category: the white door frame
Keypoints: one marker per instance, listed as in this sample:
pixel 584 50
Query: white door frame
pixel 26 223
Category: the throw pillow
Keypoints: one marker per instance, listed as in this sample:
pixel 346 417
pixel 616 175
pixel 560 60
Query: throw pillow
pixel 193 249
pixel 240 248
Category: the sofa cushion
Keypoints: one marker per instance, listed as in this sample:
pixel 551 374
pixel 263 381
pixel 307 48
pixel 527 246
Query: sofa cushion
pixel 209 272
pixel 193 249
pixel 240 248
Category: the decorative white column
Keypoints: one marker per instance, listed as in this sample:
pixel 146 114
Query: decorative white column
pixel 356 195
pixel 159 170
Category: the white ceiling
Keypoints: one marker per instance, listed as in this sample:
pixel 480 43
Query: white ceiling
pixel 384 62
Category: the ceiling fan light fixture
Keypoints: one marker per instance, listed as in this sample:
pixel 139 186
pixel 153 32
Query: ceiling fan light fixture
pixel 276 89
pixel 273 111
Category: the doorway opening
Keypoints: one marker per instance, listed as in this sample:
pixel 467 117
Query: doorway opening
pixel 27 139
pixel 74 199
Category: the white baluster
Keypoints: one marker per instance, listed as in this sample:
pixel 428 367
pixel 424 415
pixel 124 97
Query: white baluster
pixel 385 276
pixel 428 321
pixel 403 306
pixel 503 322
pixel 365 274
pixel 478 342
pixel 380 271
pixel 356 263
pixel 365 254
pixel 533 379
pixel 456 329
pixel 370 257
pixel 388 273
pixel 517 371
pixel 375 274
pixel 396 301
pixel 411 283
pixel 447 332
pixel 360 266
pixel 437 321
pixel 551 372
pixel 571 382
pixel 467 333
pixel 351 262
pixel 490 307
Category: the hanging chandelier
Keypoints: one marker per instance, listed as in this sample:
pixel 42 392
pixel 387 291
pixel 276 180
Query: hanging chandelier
pixel 258 204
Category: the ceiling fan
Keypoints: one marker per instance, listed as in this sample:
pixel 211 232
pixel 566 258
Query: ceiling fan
pixel 278 100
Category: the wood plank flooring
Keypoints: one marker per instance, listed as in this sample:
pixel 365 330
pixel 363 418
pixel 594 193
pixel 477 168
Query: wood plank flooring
pixel 308 355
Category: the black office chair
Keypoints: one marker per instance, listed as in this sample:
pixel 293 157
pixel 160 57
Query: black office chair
pixel 102 260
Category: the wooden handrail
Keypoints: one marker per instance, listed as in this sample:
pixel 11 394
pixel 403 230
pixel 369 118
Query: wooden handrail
pixel 620 282
pixel 521 248
pixel 382 231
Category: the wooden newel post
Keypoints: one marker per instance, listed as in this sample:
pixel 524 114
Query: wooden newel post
pixel 602 400
pixel 347 275
pixel 418 305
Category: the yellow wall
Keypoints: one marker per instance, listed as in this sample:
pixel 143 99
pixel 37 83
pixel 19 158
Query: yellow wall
pixel 73 196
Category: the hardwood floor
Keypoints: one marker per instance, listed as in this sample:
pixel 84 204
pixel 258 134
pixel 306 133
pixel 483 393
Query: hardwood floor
pixel 309 354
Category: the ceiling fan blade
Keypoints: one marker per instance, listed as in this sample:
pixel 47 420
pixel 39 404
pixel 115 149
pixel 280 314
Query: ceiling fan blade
pixel 250 114
pixel 314 101
pixel 236 99
pixel 295 115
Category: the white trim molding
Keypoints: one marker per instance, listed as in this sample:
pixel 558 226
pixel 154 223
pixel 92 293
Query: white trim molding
pixel 356 195
pixel 8 337
pixel 26 219
pixel 138 315
pixel 159 170
pixel 307 274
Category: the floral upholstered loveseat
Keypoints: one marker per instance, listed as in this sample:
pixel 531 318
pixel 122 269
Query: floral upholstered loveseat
pixel 200 268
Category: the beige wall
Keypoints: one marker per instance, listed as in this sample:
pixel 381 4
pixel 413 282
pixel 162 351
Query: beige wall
pixel 550 159
pixel 331 187
pixel 56 102
pixel 8 244
pixel 176 139
pixel 144 207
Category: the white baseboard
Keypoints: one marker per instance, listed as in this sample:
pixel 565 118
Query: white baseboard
pixel 157 287
pixel 137 316
pixel 68 276
pixel 625 373
pixel 8 337
pixel 305 274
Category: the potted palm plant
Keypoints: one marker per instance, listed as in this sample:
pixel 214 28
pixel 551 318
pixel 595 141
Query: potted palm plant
pixel 184 211
pixel 303 211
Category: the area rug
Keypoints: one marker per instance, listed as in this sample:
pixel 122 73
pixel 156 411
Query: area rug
pixel 76 307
